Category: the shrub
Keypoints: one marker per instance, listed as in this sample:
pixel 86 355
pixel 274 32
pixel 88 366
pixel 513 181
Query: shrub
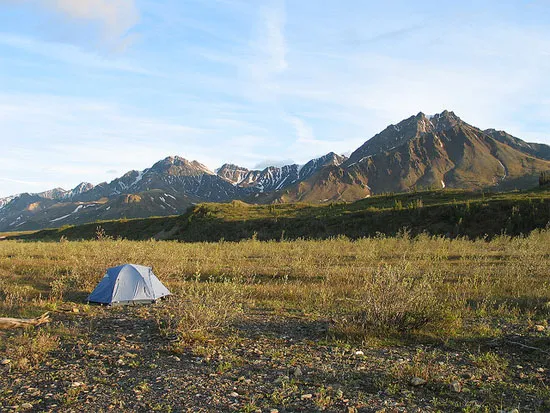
pixel 198 311
pixel 391 298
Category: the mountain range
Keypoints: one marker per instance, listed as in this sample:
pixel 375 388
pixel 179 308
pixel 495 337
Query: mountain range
pixel 439 151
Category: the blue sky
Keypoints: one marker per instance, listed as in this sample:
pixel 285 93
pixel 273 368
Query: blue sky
pixel 90 89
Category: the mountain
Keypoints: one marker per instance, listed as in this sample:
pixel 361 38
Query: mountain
pixel 78 190
pixel 275 178
pixel 56 193
pixel 444 151
pixel 440 151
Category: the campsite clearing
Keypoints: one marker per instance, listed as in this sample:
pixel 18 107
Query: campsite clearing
pixel 333 325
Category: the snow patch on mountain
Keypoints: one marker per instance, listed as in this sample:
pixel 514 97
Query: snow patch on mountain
pixel 60 218
pixel 5 201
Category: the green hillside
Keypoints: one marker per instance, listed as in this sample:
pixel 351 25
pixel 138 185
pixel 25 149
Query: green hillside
pixel 443 212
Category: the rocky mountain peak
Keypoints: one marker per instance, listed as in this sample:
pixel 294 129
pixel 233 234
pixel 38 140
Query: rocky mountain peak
pixel 178 166
pixel 232 173
pixel 333 158
pixel 445 120
pixel 82 187
pixel 56 193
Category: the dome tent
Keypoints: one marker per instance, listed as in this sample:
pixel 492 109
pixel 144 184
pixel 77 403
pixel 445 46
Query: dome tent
pixel 128 284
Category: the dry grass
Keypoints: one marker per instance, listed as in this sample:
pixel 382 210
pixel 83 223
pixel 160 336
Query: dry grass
pixel 448 300
pixel 198 311
pixel 25 351
pixel 374 286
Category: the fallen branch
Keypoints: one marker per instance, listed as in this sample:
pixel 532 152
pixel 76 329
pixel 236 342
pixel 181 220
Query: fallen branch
pixel 7 323
pixel 526 346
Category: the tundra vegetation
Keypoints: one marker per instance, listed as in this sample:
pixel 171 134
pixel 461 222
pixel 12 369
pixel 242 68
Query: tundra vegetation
pixel 402 322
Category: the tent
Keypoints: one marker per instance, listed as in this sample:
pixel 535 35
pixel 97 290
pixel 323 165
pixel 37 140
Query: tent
pixel 128 284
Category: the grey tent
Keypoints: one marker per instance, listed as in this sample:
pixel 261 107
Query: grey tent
pixel 128 284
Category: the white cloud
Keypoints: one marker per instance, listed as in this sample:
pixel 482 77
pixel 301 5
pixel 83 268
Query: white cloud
pixel 19 181
pixel 68 54
pixel 306 142
pixel 274 38
pixel 70 140
pixel 114 17
pixel 269 46
pixel 303 131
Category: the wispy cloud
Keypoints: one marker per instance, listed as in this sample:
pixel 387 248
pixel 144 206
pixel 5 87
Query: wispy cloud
pixel 68 54
pixel 303 131
pixel 270 46
pixel 19 181
pixel 274 21
pixel 305 141
pixel 74 139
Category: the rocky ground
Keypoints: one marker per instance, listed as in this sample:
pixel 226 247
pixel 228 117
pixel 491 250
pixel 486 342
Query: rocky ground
pixel 115 359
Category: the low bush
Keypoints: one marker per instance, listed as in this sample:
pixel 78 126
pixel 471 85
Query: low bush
pixel 391 299
pixel 198 310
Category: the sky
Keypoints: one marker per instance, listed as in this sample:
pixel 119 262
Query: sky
pixel 91 89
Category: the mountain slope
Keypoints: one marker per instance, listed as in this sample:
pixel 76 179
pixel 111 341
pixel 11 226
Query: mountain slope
pixel 452 213
pixel 443 151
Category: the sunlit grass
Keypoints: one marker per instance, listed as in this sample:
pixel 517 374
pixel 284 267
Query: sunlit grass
pixel 383 286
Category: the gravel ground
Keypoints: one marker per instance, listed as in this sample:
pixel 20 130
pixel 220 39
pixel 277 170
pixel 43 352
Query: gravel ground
pixel 115 359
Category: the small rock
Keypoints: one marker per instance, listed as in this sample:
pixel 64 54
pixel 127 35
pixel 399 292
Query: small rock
pixel 359 353
pixel 234 394
pixel 297 372
pixel 176 358
pixel 5 362
pixel 456 386
pixel 307 396
pixel 26 406
pixel 417 381
pixel 77 384
pixel 281 379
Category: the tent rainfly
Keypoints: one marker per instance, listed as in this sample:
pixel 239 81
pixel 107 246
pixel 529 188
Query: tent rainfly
pixel 128 284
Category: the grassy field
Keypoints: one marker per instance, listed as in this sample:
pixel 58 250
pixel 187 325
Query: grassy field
pixel 420 323
pixel 452 213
